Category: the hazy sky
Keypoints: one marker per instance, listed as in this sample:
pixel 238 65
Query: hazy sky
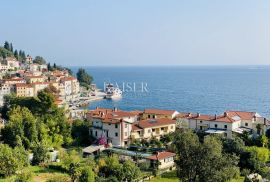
pixel 140 32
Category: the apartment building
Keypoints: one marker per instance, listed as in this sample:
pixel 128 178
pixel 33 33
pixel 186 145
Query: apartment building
pixel 226 124
pixel 24 90
pixel 158 113
pixel 148 128
pixel 113 125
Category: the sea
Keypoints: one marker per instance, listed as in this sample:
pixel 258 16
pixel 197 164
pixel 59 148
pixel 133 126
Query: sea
pixel 197 89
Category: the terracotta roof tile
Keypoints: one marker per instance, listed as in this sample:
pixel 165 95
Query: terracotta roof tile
pixel 161 155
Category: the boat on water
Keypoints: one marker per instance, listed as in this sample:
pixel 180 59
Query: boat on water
pixel 112 92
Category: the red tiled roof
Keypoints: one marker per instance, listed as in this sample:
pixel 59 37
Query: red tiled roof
pixel 148 123
pixel 107 115
pixel 227 118
pixel 159 111
pixel 68 79
pixel 242 114
pixel 161 155
pixel 135 127
pixel 23 85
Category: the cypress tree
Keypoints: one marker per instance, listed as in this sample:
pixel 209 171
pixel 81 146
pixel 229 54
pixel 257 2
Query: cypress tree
pixel 11 47
pixel 16 54
pixel 6 45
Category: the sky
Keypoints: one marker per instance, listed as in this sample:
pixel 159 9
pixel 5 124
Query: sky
pixel 139 32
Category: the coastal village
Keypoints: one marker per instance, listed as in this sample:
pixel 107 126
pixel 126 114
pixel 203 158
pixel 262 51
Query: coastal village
pixel 129 134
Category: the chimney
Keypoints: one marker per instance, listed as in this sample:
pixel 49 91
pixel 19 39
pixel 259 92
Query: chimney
pixel 198 114
pixel 215 116
pixel 225 114
pixel 189 114
pixel 97 107
pixel 115 109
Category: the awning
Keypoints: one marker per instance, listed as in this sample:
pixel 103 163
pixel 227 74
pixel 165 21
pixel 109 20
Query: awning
pixel 93 148
pixel 241 130
pixel 213 131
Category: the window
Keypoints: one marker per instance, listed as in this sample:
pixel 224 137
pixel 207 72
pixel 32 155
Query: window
pixel 109 124
pixel 201 128
pixel 200 121
pixel 225 134
pixel 116 134
pixel 171 127
pixel 126 134
pixel 96 133
pixel 162 129
pixel 246 124
pixel 149 131
pixel 153 116
pixel 149 116
pixel 215 125
pixel 116 125
pixel 225 126
pixel 153 130
pixel 126 125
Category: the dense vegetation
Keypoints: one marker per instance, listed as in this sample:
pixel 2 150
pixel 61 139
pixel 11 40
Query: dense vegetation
pixel 84 78
pixel 7 51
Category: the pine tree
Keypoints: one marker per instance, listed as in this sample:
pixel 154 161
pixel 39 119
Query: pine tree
pixel 6 45
pixel 54 65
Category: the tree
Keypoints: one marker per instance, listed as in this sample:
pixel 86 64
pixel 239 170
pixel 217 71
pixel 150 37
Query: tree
pixel 7 46
pixel 203 161
pixel 40 151
pixel 233 146
pixel 12 160
pixel 4 53
pixel 84 78
pixel 74 171
pixel 39 60
pixel 111 167
pixel 16 54
pixel 49 67
pixel 11 47
pixel 21 127
pixel 87 175
pixel 80 132
pixel 130 171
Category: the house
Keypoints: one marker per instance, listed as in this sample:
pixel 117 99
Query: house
pixel 158 113
pixel 38 86
pixel 148 128
pixel 162 160
pixel 227 123
pixel 218 124
pixel 111 125
pixel 24 90
pixel 37 67
pixel 69 86
pixel 34 79
pixel 28 59
pixel 11 63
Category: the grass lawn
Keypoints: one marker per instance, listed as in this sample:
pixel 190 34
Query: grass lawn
pixel 171 177
pixel 42 174
pixel 168 177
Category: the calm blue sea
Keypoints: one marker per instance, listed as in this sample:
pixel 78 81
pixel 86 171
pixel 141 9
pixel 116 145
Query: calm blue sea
pixel 204 89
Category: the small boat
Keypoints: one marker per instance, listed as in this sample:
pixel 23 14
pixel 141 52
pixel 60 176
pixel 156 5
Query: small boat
pixel 112 92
